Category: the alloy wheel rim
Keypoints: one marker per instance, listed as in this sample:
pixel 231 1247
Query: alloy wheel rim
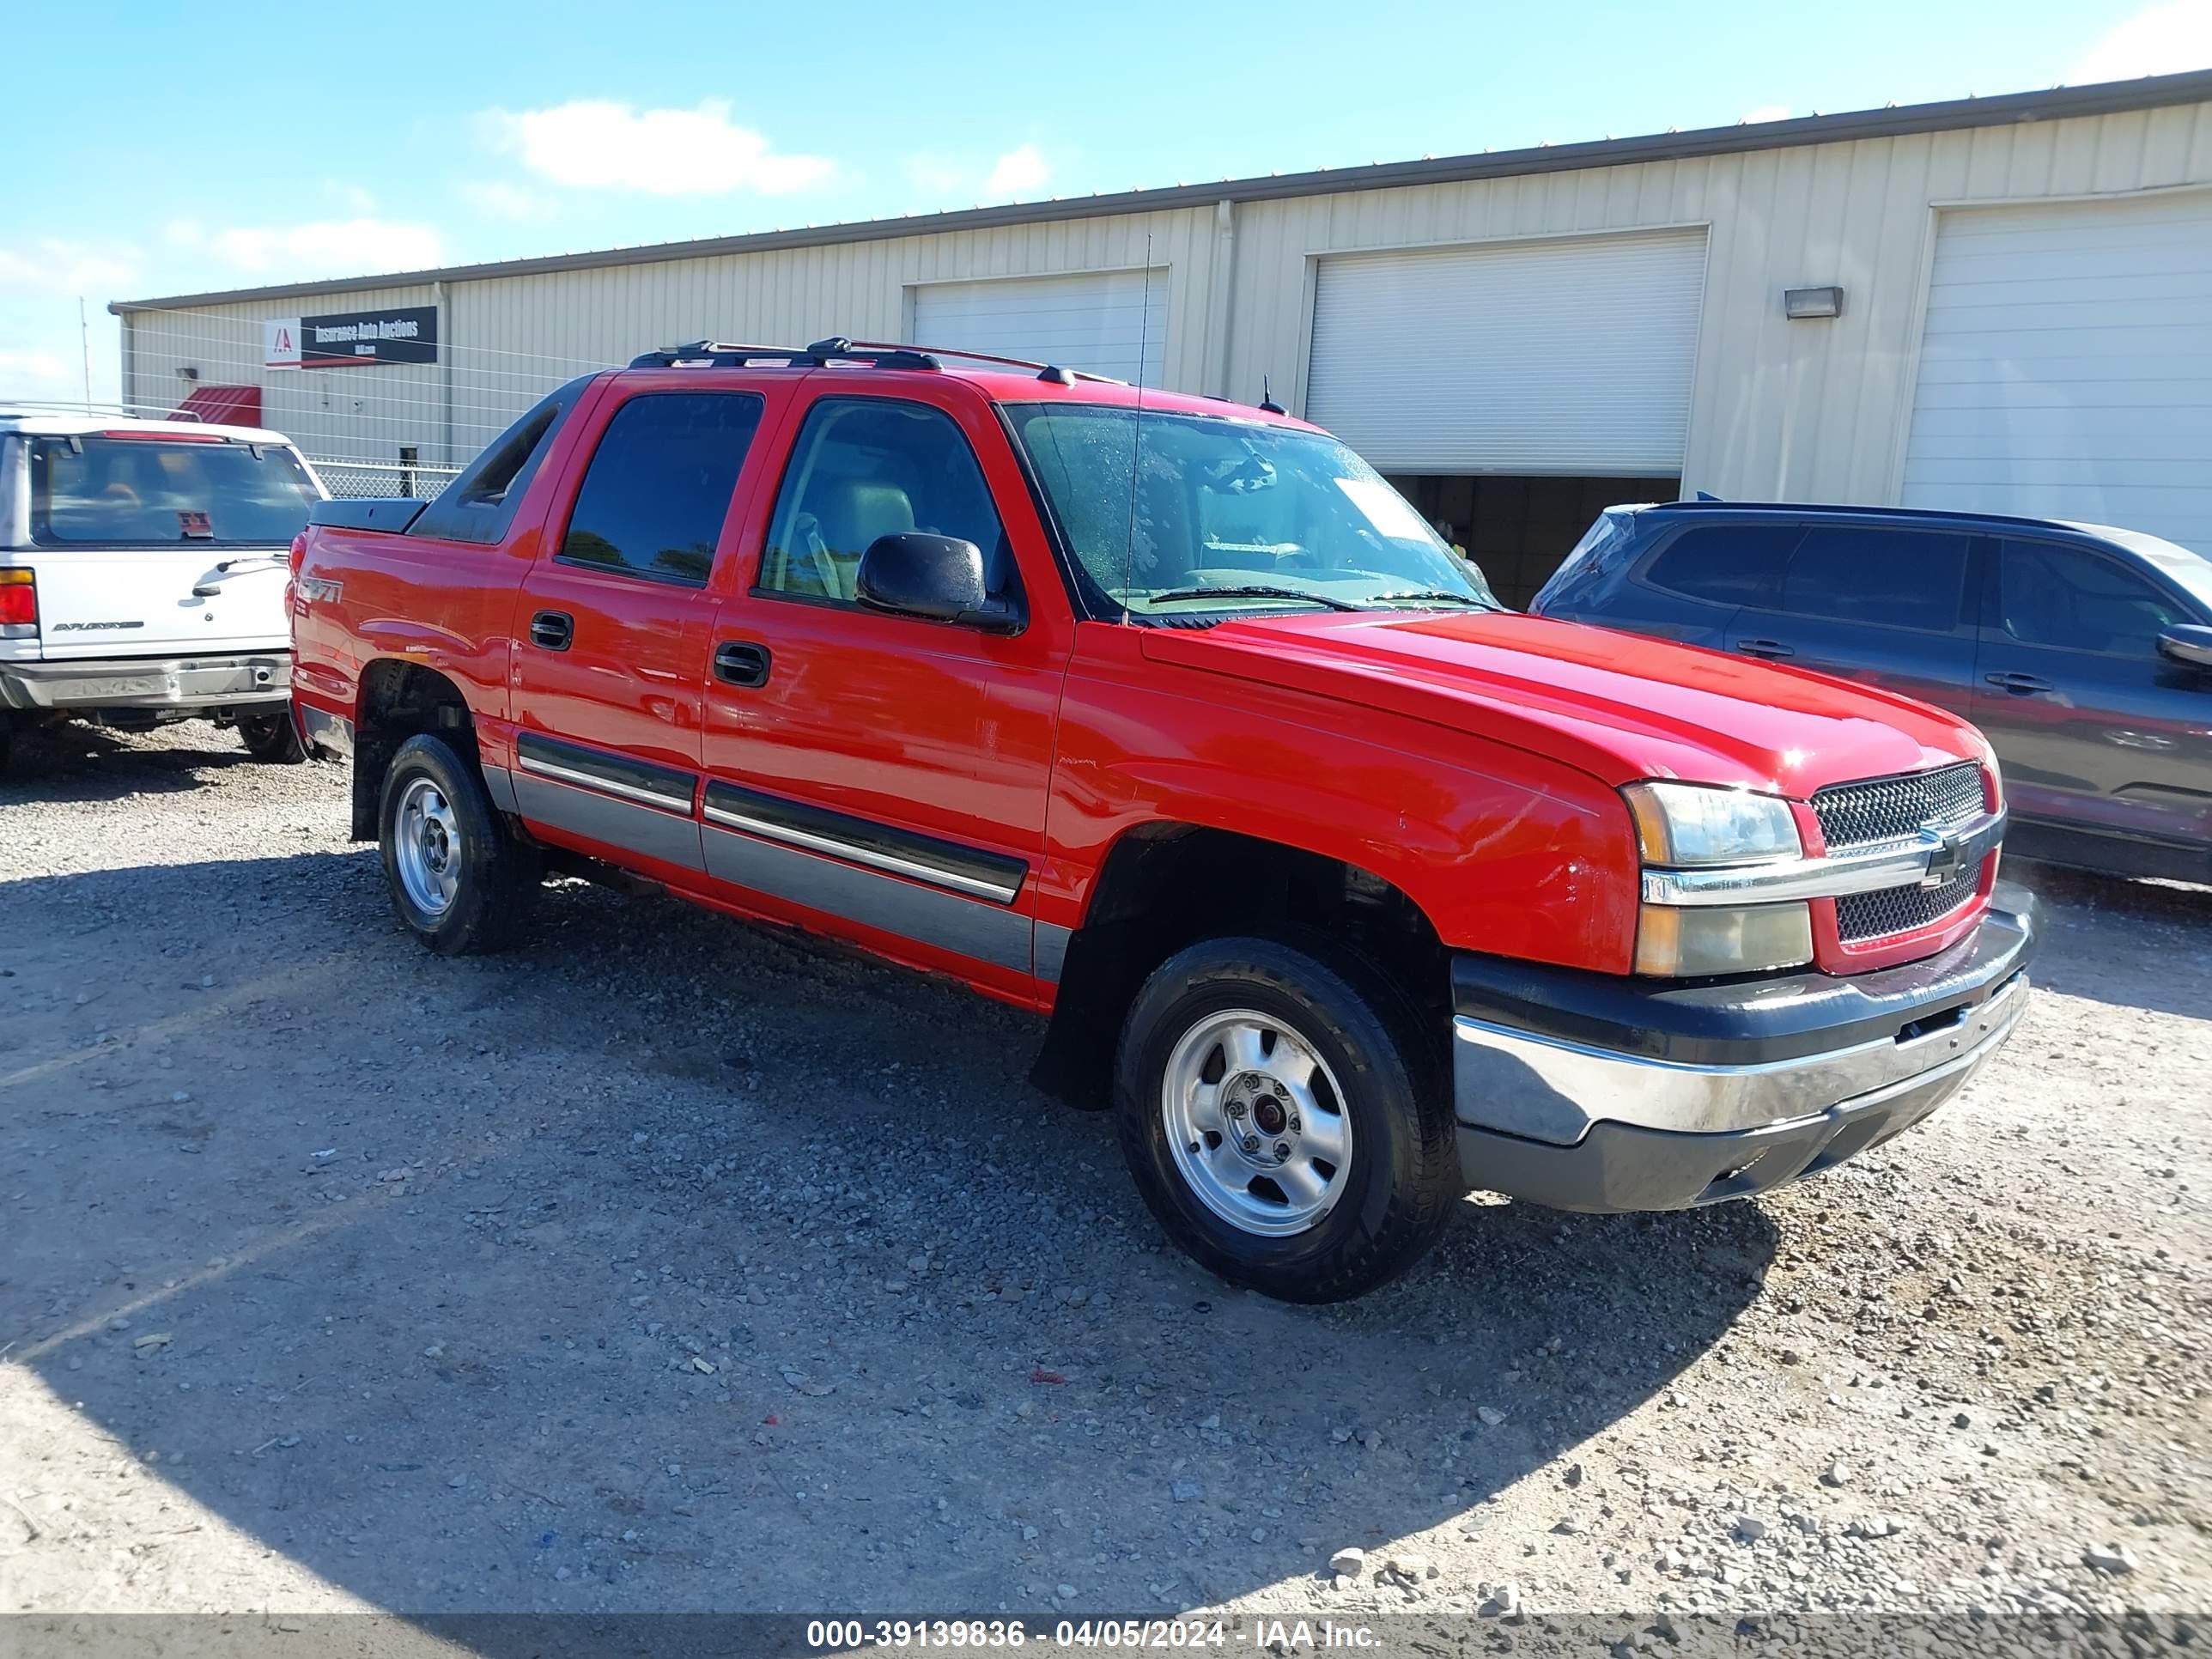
pixel 1256 1123
pixel 426 842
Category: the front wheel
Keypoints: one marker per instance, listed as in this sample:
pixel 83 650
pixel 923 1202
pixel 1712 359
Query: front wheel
pixel 1281 1119
pixel 272 737
pixel 459 879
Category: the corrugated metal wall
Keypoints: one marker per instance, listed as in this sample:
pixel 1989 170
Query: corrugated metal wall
pixel 1805 410
pixel 790 296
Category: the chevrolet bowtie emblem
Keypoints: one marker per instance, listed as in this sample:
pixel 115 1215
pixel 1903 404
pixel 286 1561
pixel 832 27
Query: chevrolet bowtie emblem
pixel 1945 857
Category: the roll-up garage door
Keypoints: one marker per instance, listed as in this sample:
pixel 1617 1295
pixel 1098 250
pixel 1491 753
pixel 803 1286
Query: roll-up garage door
pixel 2066 368
pixel 1566 357
pixel 1109 322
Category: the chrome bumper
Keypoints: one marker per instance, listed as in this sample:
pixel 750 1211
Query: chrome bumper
pixel 1594 1125
pixel 178 682
pixel 1553 1090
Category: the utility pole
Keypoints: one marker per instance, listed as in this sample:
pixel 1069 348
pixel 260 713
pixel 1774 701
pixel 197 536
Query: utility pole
pixel 84 343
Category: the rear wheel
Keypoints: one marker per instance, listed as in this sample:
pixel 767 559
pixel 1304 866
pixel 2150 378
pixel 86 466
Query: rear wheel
pixel 272 737
pixel 459 879
pixel 1279 1114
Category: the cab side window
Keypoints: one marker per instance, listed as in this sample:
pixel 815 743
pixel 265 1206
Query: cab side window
pixel 2076 600
pixel 479 505
pixel 658 485
pixel 865 467
pixel 1886 578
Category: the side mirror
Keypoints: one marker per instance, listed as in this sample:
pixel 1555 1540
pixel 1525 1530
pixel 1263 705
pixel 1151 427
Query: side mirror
pixel 2190 643
pixel 937 578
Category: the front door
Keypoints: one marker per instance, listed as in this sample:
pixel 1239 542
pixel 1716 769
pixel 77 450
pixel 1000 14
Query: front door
pixel 877 776
pixel 612 626
pixel 1884 606
pixel 2094 728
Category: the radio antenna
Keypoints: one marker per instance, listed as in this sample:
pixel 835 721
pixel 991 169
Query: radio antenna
pixel 1136 433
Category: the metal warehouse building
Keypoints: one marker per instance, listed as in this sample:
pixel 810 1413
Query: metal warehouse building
pixel 1999 303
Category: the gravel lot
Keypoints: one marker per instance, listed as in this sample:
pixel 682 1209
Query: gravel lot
pixel 667 1265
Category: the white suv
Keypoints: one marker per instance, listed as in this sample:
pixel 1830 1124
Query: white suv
pixel 143 571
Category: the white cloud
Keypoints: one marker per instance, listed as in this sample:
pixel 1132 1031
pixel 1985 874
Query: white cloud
pixel 323 247
pixel 39 374
pixel 596 144
pixel 50 265
pixel 938 174
pixel 54 371
pixel 505 201
pixel 1766 113
pixel 1017 171
pixel 2161 39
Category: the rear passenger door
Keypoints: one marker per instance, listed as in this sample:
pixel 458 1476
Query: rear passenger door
pixel 1883 605
pixel 2094 727
pixel 612 625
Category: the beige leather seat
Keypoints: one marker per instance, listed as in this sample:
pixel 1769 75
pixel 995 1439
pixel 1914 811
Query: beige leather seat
pixel 839 519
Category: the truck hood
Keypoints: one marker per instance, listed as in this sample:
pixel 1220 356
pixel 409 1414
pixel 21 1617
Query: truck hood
pixel 1620 706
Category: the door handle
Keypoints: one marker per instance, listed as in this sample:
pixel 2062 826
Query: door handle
pixel 552 630
pixel 741 662
pixel 2019 684
pixel 1767 650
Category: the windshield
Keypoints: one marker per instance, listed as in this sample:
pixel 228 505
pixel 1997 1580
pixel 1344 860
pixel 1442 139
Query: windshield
pixel 1225 515
pixel 140 492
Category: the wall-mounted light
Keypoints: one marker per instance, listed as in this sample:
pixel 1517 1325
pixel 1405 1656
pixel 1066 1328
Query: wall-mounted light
pixel 1798 303
pixel 188 372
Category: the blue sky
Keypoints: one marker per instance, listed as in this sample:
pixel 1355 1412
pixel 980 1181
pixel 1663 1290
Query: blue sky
pixel 162 148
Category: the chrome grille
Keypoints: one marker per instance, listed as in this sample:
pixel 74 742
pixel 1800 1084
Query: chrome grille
pixel 1890 809
pixel 1861 917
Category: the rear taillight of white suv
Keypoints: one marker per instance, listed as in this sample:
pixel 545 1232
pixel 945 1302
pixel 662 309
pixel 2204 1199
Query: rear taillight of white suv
pixel 19 604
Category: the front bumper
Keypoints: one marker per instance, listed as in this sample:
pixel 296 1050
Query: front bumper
pixel 1586 1091
pixel 235 681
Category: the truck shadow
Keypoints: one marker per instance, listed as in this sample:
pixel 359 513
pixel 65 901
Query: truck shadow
pixel 667 1265
pixel 70 761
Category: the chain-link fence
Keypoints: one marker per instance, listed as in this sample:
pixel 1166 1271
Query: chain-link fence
pixel 354 480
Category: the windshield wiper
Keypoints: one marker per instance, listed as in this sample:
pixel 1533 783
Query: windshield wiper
pixel 1254 591
pixel 1430 593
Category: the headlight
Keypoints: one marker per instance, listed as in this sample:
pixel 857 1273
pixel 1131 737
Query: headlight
pixel 1687 826
pixel 1680 823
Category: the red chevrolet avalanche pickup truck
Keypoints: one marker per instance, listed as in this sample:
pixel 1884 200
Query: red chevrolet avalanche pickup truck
pixel 1351 890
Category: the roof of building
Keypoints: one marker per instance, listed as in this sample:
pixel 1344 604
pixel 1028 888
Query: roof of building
pixel 2150 91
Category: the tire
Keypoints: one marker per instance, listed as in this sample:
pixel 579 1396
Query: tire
pixel 452 845
pixel 1380 1207
pixel 272 737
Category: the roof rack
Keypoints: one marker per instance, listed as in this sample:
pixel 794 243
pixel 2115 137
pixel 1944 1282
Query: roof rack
pixel 1816 509
pixel 79 406
pixel 1052 372
pixel 713 353
pixel 879 354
